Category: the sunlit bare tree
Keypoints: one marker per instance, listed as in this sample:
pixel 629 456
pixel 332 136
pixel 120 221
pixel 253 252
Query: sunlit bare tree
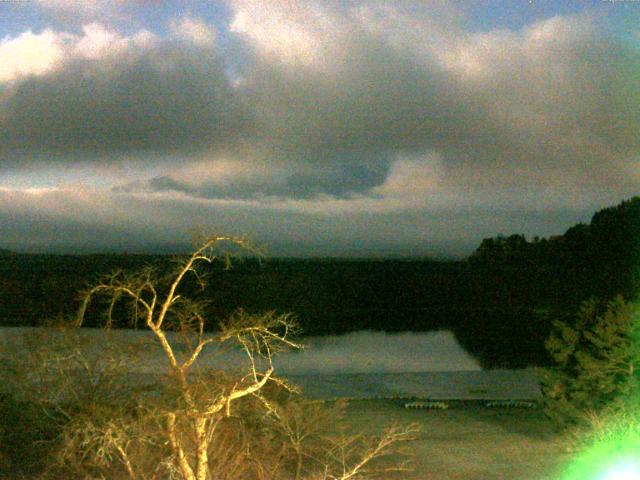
pixel 203 428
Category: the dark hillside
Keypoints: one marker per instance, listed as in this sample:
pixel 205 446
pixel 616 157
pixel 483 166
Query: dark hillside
pixel 35 288
pixel 327 296
pixel 599 259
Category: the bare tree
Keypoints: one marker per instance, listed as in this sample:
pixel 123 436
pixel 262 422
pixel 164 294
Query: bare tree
pixel 259 336
pixel 199 421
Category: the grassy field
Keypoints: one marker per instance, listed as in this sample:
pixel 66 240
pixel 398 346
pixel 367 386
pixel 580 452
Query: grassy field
pixel 470 443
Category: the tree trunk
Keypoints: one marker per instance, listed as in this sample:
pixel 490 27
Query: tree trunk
pixel 183 463
pixel 202 469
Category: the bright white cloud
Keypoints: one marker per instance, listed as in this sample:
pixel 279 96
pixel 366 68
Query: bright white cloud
pixel 411 177
pixel 295 33
pixel 194 30
pixel 99 41
pixel 31 54
pixel 42 53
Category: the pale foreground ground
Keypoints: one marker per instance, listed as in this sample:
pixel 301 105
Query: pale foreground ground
pixel 470 443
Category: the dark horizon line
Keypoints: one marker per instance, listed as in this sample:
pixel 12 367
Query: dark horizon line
pixel 166 251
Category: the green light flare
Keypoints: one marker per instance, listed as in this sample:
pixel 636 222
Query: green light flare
pixel 614 455
pixel 623 470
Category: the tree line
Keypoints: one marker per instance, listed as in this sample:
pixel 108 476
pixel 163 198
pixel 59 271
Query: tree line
pixel 500 302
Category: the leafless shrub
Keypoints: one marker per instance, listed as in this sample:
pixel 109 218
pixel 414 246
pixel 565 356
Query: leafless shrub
pixel 196 424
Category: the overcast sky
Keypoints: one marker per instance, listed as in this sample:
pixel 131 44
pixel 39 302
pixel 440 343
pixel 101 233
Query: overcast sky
pixel 322 127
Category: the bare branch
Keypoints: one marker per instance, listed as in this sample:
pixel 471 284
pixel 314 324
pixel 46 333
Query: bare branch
pixel 198 255
pixel 194 356
pixel 236 394
pixel 114 290
pixel 391 437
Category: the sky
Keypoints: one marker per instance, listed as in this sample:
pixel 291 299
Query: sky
pixel 313 127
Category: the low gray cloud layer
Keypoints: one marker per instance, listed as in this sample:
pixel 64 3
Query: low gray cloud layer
pixel 62 221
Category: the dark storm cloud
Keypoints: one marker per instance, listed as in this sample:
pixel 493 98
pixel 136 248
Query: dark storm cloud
pixel 298 185
pixel 336 94
pixel 168 99
pixel 340 176
pixel 504 108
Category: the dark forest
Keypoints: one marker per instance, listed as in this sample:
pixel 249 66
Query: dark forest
pixel 499 302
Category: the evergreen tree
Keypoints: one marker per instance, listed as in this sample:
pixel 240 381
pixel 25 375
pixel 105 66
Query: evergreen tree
pixel 597 356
